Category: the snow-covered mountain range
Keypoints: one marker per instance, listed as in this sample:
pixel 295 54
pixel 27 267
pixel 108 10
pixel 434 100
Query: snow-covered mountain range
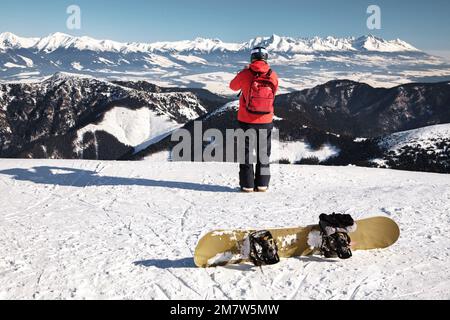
pixel 337 123
pixel 211 63
pixel 274 43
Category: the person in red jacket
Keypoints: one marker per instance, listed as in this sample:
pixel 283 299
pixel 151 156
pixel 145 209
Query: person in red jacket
pixel 258 85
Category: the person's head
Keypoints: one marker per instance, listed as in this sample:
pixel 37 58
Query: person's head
pixel 259 54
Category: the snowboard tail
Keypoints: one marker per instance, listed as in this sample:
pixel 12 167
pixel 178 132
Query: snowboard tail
pixel 223 247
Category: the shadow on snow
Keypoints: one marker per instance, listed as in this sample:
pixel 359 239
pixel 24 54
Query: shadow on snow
pixel 167 264
pixel 83 178
pixel 188 263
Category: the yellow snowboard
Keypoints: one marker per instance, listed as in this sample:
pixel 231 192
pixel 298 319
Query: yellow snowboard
pixel 222 247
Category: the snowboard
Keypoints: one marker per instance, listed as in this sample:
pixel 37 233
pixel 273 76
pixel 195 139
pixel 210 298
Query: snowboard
pixel 225 247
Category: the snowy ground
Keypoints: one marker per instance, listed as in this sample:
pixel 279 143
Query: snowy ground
pixel 74 229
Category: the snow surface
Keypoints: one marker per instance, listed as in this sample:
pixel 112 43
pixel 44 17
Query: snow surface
pixel 27 61
pixel 295 151
pixel 424 137
pixel 131 127
pixel 434 139
pixel 216 82
pixel 189 59
pixel 77 66
pixel 104 230
pixel 13 65
pixel 161 61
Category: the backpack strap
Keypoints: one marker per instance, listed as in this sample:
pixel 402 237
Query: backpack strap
pixel 254 73
pixel 257 74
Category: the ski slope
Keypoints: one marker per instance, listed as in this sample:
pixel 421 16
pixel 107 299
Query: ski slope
pixel 127 230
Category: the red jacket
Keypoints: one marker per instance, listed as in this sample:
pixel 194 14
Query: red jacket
pixel 243 82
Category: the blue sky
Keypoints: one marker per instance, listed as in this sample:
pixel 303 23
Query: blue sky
pixel 425 24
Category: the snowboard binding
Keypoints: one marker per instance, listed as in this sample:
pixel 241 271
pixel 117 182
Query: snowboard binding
pixel 334 230
pixel 263 249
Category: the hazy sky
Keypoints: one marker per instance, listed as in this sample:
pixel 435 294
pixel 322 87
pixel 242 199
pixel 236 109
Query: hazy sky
pixel 425 24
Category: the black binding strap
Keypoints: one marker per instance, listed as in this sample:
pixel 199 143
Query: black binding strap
pixel 338 243
pixel 263 248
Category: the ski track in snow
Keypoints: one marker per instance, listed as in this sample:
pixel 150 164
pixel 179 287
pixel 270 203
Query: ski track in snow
pixel 127 230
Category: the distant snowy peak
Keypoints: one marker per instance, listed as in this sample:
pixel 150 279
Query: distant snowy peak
pixel 372 43
pixel 274 43
pixel 60 40
pixel 197 45
pixel 366 43
pixel 11 41
pixel 286 44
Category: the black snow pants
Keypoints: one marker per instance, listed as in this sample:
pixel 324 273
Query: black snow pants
pixel 248 178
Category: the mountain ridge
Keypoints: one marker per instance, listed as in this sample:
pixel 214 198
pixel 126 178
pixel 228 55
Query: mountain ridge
pixel 211 64
pixel 62 116
pixel 274 43
pixel 74 117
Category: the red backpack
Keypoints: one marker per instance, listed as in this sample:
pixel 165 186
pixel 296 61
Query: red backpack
pixel 262 94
